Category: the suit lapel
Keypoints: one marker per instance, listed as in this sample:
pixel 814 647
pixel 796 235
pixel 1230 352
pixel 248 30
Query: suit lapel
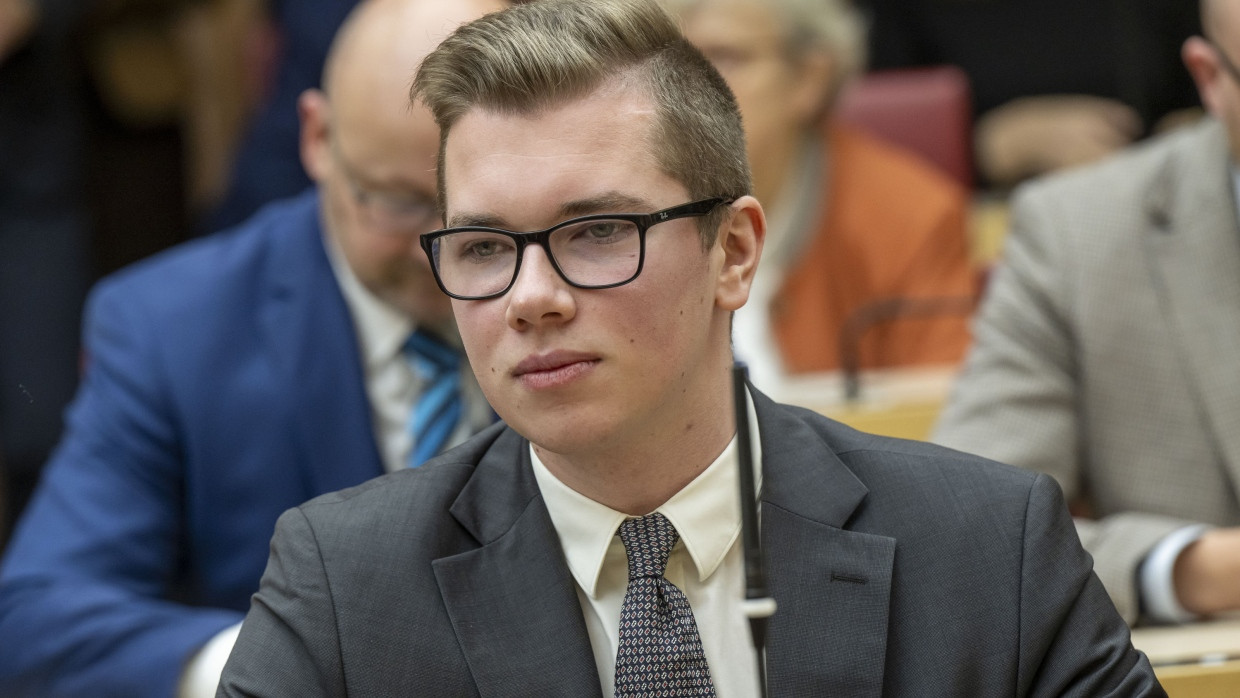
pixel 832 585
pixel 1194 244
pixel 512 601
pixel 315 349
pixel 509 596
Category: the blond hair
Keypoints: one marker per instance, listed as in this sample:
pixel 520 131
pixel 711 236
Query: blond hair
pixel 551 52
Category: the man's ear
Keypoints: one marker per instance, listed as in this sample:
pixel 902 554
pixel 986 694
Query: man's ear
pixel 1203 64
pixel 314 111
pixel 740 239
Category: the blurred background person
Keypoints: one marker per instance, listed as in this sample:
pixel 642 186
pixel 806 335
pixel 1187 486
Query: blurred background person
pixel 45 233
pixel 856 227
pixel 1055 83
pixel 235 377
pixel 294 37
pixel 1106 355
pixel 110 113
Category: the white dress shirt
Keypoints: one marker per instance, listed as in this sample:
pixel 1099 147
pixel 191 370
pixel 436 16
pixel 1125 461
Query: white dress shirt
pixel 706 564
pixel 391 383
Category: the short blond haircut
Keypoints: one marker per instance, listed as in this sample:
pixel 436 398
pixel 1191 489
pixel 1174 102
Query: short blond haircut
pixel 551 52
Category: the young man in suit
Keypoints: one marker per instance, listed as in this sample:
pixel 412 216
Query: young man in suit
pixel 233 378
pixel 1105 352
pixel 603 339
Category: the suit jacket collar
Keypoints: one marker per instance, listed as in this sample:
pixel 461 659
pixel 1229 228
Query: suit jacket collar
pixel 1194 244
pixel 832 584
pixel 512 601
pixel 314 346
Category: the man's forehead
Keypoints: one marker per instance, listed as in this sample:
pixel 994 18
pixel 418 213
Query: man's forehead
pixel 604 202
pixel 585 149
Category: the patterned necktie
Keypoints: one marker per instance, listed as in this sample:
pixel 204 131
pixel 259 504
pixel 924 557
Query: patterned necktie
pixel 660 652
pixel 439 407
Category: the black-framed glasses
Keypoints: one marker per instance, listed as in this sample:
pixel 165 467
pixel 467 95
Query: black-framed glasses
pixel 389 212
pixel 1228 66
pixel 596 251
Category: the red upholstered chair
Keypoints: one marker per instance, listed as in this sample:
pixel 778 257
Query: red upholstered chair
pixel 925 110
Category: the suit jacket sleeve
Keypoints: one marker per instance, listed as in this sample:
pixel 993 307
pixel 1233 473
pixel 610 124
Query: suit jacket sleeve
pixel 288 645
pixel 86 585
pixel 1060 597
pixel 1016 398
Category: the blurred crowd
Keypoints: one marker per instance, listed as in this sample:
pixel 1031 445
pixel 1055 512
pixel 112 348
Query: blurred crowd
pixel 126 127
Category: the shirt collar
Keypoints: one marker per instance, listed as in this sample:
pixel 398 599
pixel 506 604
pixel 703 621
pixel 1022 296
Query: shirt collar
pixel 706 513
pixel 381 329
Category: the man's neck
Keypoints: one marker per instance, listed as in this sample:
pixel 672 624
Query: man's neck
pixel 637 475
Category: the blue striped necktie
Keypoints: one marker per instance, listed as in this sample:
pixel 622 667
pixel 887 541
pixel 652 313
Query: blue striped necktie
pixel 438 408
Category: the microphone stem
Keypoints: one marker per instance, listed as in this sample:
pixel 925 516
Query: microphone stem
pixel 758 604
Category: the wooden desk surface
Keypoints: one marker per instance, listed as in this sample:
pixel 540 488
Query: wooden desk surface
pixel 1200 660
pixel 895 402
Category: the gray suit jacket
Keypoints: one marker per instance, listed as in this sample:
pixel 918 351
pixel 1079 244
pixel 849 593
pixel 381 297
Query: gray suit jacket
pixel 900 568
pixel 1106 350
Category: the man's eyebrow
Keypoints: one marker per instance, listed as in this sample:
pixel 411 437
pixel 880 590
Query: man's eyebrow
pixel 471 220
pixel 609 202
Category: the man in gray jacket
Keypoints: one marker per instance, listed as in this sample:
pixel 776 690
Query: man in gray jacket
pixel 590 546
pixel 1107 351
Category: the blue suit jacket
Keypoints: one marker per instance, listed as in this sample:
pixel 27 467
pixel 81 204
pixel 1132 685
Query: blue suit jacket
pixel 223 385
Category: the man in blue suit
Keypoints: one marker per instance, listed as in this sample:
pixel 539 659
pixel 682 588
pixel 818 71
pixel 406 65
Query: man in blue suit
pixel 231 379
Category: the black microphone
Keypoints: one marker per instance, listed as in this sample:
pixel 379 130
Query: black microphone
pixel 758 604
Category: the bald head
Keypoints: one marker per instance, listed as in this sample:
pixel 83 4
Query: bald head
pixel 373 154
pixel 377 50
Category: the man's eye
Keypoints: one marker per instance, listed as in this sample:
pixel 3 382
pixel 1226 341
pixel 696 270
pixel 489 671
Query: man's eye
pixel 604 232
pixel 485 248
pixel 603 229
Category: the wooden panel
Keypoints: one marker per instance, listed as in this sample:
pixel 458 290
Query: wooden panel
pixel 894 402
pixel 1198 660
pixel 1201 680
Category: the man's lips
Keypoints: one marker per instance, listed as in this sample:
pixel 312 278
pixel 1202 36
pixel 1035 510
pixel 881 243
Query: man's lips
pixel 554 370
pixel 551 361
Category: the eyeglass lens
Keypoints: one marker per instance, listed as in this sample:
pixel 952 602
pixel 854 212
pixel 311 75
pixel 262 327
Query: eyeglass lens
pixel 599 252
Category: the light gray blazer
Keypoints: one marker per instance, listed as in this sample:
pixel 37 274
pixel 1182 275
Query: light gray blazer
pixel 1107 350
pixel 900 568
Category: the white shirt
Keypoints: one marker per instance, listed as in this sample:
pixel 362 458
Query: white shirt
pixel 706 564
pixel 391 383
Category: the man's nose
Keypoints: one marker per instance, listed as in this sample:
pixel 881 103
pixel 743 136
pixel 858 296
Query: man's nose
pixel 539 295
